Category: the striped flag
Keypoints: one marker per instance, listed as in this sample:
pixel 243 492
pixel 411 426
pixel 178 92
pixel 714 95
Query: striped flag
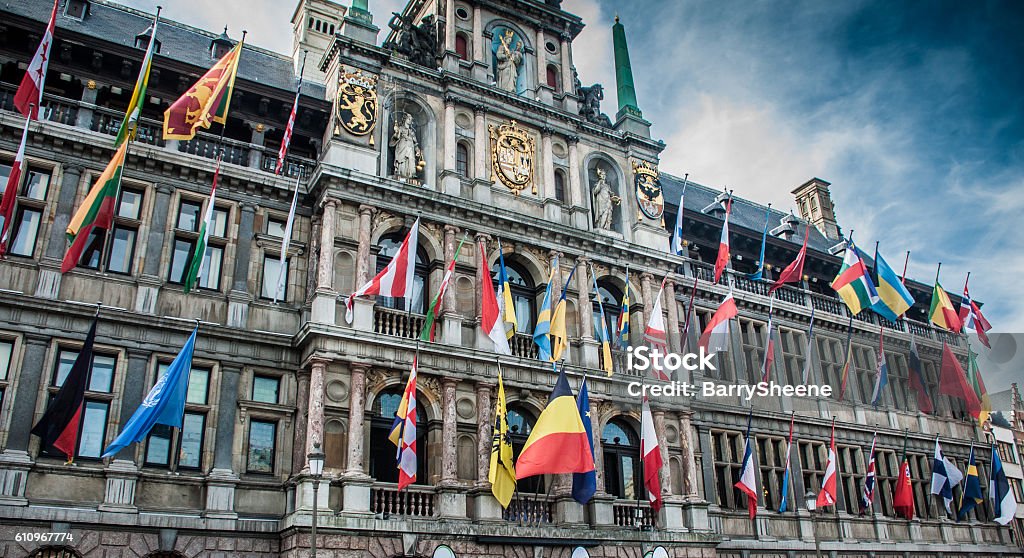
pixel 942 312
pixel 867 497
pixel 11 191
pixel 197 265
pixel 287 139
pixel 655 333
pixel 785 478
pixel 622 329
pixel 96 211
pixel 746 484
pixel 395 280
pixel 723 244
pixel 286 239
pixel 542 331
pixel 602 330
pixel 716 335
pixel 559 334
pixel 505 302
pixel 972 318
pixel 427 333
pixel 490 313
pixel 130 124
pixel 403 431
pixel 650 454
pixel 827 494
pixel 29 96
pixel 882 375
pixel 853 283
pixel 893 297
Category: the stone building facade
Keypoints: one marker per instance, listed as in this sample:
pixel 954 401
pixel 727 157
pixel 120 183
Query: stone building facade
pixel 470 116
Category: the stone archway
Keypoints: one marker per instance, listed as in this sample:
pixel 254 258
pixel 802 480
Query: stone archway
pixel 165 554
pixel 55 552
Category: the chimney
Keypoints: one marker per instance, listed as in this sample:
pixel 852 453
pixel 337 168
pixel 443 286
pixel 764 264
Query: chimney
pixel 816 207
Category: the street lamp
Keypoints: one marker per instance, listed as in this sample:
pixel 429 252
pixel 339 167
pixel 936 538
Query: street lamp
pixel 811 502
pixel 316 470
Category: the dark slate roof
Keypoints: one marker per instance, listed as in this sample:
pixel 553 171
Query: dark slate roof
pixel 120 24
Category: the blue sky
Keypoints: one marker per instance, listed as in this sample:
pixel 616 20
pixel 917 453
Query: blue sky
pixel 911 109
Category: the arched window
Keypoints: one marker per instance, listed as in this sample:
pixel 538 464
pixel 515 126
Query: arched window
pixel 520 424
pixel 552 77
pixel 383 464
pixel 462 160
pixel 560 185
pixel 524 293
pixel 611 301
pixel 55 552
pixel 622 474
pixel 389 245
pixel 461 46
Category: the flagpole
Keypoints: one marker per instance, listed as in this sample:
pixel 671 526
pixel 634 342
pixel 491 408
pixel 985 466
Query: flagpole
pixel 906 262
pixel 768 339
pixel 13 194
pixel 849 346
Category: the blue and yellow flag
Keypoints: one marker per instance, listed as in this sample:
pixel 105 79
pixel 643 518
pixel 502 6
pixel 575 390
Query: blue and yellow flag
pixel 542 333
pixel 508 308
pixel 893 297
pixel 603 334
pixel 559 337
pixel 972 495
pixel 623 327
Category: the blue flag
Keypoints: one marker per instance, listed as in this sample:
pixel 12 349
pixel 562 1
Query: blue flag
pixel 1004 506
pixel 757 275
pixel 584 485
pixel 972 495
pixel 165 403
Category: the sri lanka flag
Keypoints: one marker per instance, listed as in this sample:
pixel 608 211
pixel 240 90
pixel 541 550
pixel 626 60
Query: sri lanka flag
pixel 403 432
pixel 542 332
pixel 96 211
pixel 853 283
pixel 623 325
pixel 893 297
pixel 973 320
pixel 558 442
pixel 942 312
pixel 205 102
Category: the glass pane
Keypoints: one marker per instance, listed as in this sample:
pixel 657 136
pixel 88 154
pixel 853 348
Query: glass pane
pixel 523 314
pixel 627 476
pixel 6 349
pixel 158 450
pixel 26 228
pixel 198 382
pixel 131 204
pixel 122 250
pixel 5 173
pixel 271 265
pixel 275 227
pixel 94 429
pixel 36 184
pixel 188 216
pixel 102 377
pixel 191 440
pixel 261 446
pixel 93 249
pixel 212 263
pixel 264 389
pixel 220 223
pixel 388 404
pixel 64 362
pixel 179 259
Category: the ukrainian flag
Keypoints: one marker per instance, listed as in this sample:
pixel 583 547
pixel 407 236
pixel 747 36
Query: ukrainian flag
pixel 542 333
pixel 893 297
pixel 559 337
pixel 558 442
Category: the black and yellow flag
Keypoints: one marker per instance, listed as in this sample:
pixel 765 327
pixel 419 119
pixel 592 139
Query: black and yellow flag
pixel 502 475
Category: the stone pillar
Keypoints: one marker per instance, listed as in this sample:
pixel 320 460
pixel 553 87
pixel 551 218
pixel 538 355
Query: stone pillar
pixel 315 418
pixel 119 490
pixel 131 396
pixel 597 426
pixel 239 297
pixel 363 251
pixel 672 325
pixel 665 473
pixel 324 299
pixel 302 377
pixel 589 345
pixel 86 113
pixel 29 383
pixel 356 420
pixel 542 80
pixel 568 86
pixel 575 185
pixel 158 230
pixel 449 472
pixel 647 292
pixel 478 39
pixel 686 441
pixel 449 25
pixel 450 183
pixel 452 321
pixel 484 433
pixel 48 283
pixel 547 165
pixel 222 480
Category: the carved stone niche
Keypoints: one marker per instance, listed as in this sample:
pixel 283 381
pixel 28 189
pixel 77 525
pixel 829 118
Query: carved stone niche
pixel 606 195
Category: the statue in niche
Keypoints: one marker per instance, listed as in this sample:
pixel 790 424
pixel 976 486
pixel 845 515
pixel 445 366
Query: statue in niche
pixel 408 157
pixel 604 201
pixel 509 59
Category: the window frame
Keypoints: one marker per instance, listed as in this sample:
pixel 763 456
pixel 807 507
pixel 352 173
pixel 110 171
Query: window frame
pixel 104 398
pixel 191 237
pixel 176 438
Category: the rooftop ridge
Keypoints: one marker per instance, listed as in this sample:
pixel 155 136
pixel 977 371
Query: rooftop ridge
pixel 748 200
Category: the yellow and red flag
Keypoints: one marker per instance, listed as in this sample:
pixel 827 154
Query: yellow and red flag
pixel 942 312
pixel 205 102
pixel 96 211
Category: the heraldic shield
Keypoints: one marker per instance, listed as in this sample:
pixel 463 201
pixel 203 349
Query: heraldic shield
pixel 648 190
pixel 356 104
pixel 512 150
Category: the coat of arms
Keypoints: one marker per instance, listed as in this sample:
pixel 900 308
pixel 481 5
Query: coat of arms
pixel 512 151
pixel 356 105
pixel 648 190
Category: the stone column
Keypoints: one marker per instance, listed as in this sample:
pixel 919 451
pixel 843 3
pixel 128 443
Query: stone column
pixel 363 251
pixel 672 305
pixel 29 384
pixel 356 419
pixel 48 283
pixel 157 231
pixel 315 419
pixel 448 304
pixel 324 299
pixel 542 80
pixel 555 264
pixel 302 377
pixel 478 38
pixel 596 426
pixel 449 455
pixel 686 441
pixel 86 110
pixel 647 292
pixel 481 161
pixel 575 185
pixel 240 297
pixel 665 472
pixel 484 432
pixel 449 177
pixel 568 86
pixel 585 298
pixel 222 480
pixel 547 165
pixel 449 25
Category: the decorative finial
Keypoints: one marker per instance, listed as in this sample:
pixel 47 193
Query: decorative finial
pixel 616 18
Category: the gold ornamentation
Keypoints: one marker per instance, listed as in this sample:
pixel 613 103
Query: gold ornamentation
pixel 648 190
pixel 512 150
pixel 355 107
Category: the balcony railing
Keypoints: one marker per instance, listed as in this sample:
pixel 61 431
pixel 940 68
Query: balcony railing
pixel 411 502
pixel 632 514
pixel 828 304
pixel 703 271
pixel 106 121
pixel 523 346
pixel 398 323
pixel 526 511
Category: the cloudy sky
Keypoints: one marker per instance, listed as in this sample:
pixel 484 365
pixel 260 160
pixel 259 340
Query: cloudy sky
pixel 911 109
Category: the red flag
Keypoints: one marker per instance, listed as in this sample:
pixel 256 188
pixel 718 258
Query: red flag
pixel 395 280
pixel 903 495
pixel 11 191
pixel 30 92
pixel 651 456
pixel 795 270
pixel 953 382
pixel 924 401
pixel 827 494
pixel 723 244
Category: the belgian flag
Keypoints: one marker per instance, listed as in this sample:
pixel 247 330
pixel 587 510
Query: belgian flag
pixel 59 425
pixel 558 443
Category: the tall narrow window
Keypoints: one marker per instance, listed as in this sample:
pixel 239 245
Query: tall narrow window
pixel 262 445
pixel 461 46
pixel 728 455
pixel 98 395
pixel 622 475
pixel 6 354
pixel 188 223
pixel 183 448
pixel 382 451
pixel 271 272
pixel 560 186
pixel 30 204
pixel 552 77
pixel 520 424
pixel 462 160
pixel 388 248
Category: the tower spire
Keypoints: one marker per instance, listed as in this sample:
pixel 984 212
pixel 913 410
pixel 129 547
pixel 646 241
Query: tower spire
pixel 626 92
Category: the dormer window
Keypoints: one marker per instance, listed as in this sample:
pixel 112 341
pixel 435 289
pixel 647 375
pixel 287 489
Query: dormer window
pixel 76 9
pixel 221 45
pixel 142 40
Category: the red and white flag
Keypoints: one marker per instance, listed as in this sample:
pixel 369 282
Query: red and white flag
pixel 287 139
pixel 723 245
pixel 827 494
pixel 395 280
pixel 716 335
pixel 972 317
pixel 746 484
pixel 407 443
pixel 655 333
pixel 795 270
pixel 30 92
pixel 490 313
pixel 650 452
pixel 11 191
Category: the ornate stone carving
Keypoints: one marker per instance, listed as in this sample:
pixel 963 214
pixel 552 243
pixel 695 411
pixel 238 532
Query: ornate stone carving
pixel 355 107
pixel 648 190
pixel 418 43
pixel 465 408
pixel 406 149
pixel 512 150
pixel 508 59
pixel 605 201
pixel 590 102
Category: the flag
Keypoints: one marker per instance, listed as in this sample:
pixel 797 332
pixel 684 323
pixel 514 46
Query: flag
pixel 723 244
pixel 130 124
pixel 205 102
pixel 59 425
pixel 286 140
pixel 945 476
pixel 924 400
pixel 558 442
pixel 716 335
pixel 971 317
pixel 974 376
pixel 677 235
pixel 542 331
pixel 793 272
pixel 848 360
pixel 882 375
pixel 953 383
pixel 395 280
pixel 427 333
pixel 490 312
pixel 584 485
pixel 165 403
pixel 650 455
pixel 758 275
pixel 785 477
pixel 853 283
pixel 972 495
pixel 96 211
pixel 622 329
pixel 827 494
pixel 286 239
pixel 893 297
pixel 809 350
pixel 11 191
pixel 942 312
pixel 867 497
pixel 746 484
pixel 1004 506
pixel 655 333
pixel 769 353
pixel 29 96
pixel 559 336
pixel 605 335
pixel 403 431
pixel 502 473
pixel 903 494
pixel 197 265
pixel 508 307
